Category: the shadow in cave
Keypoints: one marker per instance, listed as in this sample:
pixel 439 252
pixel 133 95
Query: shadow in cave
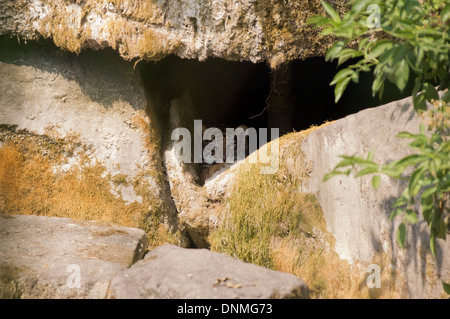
pixel 230 94
pixel 235 93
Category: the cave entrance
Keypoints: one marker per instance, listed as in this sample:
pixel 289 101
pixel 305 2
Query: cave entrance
pixel 294 97
pixel 223 92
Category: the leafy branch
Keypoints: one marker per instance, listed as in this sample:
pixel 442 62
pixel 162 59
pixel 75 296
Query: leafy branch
pixel 429 181
pixel 409 37
pixel 400 39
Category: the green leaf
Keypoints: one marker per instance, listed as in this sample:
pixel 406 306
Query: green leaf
pixel 446 287
pixel 401 235
pixel 341 75
pixel 362 161
pixel 391 171
pixel 347 54
pixel 331 12
pixel 334 50
pixel 377 84
pixel 427 202
pixel 346 161
pixel 327 31
pixel 411 216
pixel 427 213
pixel 446 97
pixel 401 201
pixel 340 88
pixel 442 232
pixel 318 20
pixel 360 6
pixel 400 76
pixel 445 13
pixel 395 213
pixel 406 135
pixel 344 31
pixel 367 170
pixel 379 48
pixel 408 160
pixel 414 186
pixel 334 173
pixel 362 43
pixel 433 245
pixel 376 182
pixel 420 103
pixel 370 155
pixel 430 92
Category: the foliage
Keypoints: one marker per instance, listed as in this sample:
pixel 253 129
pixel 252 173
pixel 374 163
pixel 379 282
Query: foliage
pixel 395 38
pixel 400 39
pixel 429 180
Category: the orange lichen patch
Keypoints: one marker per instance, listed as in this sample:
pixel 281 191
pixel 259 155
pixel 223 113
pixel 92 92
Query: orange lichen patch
pixel 30 185
pixel 53 176
pixel 146 29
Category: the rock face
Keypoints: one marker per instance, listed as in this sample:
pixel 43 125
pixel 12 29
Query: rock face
pixel 364 208
pixel 94 104
pixel 48 257
pixel 252 30
pixel 173 272
pixel 356 215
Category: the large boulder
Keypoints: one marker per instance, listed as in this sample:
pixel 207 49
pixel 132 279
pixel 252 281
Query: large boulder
pixel 283 219
pixel 252 30
pixel 173 272
pixel 356 214
pixel 49 257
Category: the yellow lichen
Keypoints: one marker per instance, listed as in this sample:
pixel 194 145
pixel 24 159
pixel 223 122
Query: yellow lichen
pixel 33 181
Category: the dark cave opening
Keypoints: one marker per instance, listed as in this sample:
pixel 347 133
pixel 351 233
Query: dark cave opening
pixel 235 93
pixel 223 92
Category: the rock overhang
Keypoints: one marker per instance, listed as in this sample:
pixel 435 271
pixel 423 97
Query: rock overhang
pixel 271 31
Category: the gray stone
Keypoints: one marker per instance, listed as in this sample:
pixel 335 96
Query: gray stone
pixel 356 214
pixel 41 257
pixel 252 30
pixel 97 98
pixel 173 272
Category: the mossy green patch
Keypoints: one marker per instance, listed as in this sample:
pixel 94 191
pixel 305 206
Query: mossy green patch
pixel 271 222
pixel 265 207
pixel 9 283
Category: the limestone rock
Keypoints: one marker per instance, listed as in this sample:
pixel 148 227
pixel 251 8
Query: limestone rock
pixel 41 257
pixel 196 215
pixel 254 30
pixel 173 272
pixel 355 213
pixel 96 104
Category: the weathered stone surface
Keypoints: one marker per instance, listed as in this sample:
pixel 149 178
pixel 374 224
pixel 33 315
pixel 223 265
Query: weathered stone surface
pixel 41 256
pixel 196 214
pixel 173 272
pixel 95 100
pixel 355 213
pixel 254 30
